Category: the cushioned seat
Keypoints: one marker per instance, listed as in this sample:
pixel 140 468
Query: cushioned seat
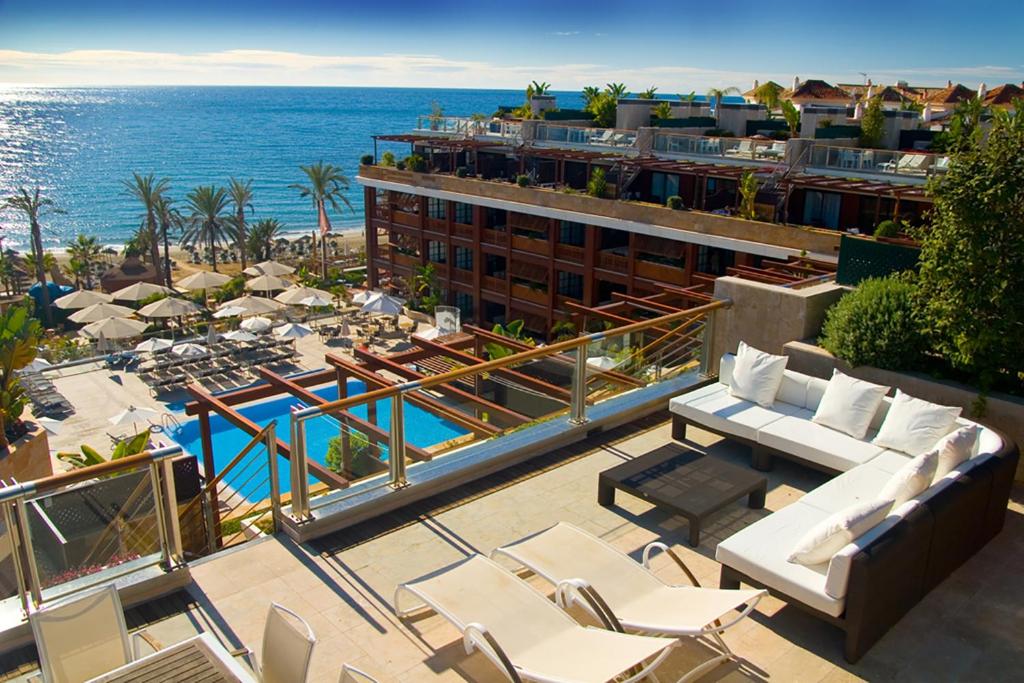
pixel 858 485
pixel 714 407
pixel 798 436
pixel 760 552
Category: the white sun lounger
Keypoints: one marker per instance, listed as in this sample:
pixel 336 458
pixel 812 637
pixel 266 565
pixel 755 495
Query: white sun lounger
pixel 577 562
pixel 523 633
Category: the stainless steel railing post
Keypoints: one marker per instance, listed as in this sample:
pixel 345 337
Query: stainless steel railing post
pixel 160 513
pixel 299 469
pixel 578 397
pixel 34 585
pixel 275 481
pixel 396 442
pixel 169 500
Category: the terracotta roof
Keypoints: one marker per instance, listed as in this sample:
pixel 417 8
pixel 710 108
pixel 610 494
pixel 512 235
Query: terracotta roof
pixel 750 93
pixel 954 94
pixel 1004 94
pixel 817 90
pixel 891 94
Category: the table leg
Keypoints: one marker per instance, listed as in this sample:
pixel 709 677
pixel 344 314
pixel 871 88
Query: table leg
pixel 694 531
pixel 756 499
pixel 605 493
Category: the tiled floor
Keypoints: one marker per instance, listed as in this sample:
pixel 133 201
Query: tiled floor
pixel 969 628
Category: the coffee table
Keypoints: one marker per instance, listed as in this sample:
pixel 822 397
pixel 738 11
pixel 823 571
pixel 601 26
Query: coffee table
pixel 685 482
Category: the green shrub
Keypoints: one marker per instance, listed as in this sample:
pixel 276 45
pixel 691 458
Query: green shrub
pixel 387 159
pixel 416 163
pixel 887 229
pixel 366 160
pixel 461 171
pixel 876 324
pixel 674 202
pixel 523 180
pixel 597 186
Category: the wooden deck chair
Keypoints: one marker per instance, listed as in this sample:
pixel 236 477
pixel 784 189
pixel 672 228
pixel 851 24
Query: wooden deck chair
pixel 584 567
pixel 522 632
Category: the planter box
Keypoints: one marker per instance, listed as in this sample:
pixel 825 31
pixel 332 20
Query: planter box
pixel 27 458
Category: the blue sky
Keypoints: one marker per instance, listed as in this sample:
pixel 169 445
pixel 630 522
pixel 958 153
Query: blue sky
pixel 677 46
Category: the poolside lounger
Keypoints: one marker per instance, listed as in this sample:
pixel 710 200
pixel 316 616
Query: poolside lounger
pixel 522 632
pixel 578 562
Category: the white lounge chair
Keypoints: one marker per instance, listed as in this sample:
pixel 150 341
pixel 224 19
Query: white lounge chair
pixel 522 632
pixel 85 636
pixel 350 674
pixel 745 149
pixel 578 563
pixel 287 648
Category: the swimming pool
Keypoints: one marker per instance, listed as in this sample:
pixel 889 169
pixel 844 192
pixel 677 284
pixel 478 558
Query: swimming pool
pixel 422 429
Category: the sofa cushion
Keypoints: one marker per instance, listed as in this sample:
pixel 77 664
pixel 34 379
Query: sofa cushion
pixel 913 426
pixel 888 461
pixel 760 550
pixel 827 537
pixel 912 479
pixel 714 407
pixel 815 443
pixel 849 404
pixel 956 448
pixel 756 375
pixel 861 484
pixel 837 579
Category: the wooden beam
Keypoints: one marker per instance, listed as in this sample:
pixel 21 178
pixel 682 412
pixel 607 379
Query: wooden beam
pixel 261 391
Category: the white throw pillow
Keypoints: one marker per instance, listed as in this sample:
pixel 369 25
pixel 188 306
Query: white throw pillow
pixel 756 375
pixel 830 535
pixel 849 404
pixel 913 426
pixel 911 480
pixel 955 448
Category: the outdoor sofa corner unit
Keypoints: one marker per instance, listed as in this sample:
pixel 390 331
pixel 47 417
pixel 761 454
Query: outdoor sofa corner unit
pixel 874 581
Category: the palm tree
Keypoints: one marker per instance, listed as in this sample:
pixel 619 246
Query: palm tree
pixel 616 90
pixel 768 94
pixel 207 225
pixel 261 238
pixel 327 185
pixel 540 88
pixel 84 251
pixel 688 99
pixel 648 94
pixel 148 189
pixel 716 95
pixel 792 116
pixel 35 206
pixel 241 199
pixel 590 93
pixel 168 218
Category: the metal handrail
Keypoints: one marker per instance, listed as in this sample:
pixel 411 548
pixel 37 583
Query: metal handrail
pixel 259 437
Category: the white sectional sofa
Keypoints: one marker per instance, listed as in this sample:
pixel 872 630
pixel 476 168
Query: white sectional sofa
pixel 873 581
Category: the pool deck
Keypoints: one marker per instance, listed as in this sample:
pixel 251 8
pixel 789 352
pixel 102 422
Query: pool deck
pixel 967 628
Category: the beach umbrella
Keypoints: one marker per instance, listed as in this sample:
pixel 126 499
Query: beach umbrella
pixel 253 305
pixel 38 365
pixel 50 425
pixel 100 311
pixel 240 336
pixel 256 324
pixel 168 308
pixel 293 331
pixel 365 296
pixel 316 301
pixel 295 295
pixel 229 312
pixel 154 344
pixel 266 283
pixel 384 305
pixel 113 328
pixel 211 334
pixel 204 279
pixel 140 291
pixel 188 349
pixel 269 268
pixel 132 415
pixel 345 331
pixel 82 299
pixel 101 344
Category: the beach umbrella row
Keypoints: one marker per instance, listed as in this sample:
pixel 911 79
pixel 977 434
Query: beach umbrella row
pixel 272 268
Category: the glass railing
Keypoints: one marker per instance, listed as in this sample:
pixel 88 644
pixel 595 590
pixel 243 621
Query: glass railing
pixel 727 148
pixel 882 161
pixel 577 136
pixel 467 127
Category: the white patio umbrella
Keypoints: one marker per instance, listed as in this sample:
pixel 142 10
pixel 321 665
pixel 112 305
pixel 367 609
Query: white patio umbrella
pixel 101 344
pixel 345 331
pixel 293 331
pixel 140 290
pixel 211 334
pixel 188 349
pixel 132 415
pixel 295 295
pixel 316 301
pixel 38 365
pixel 229 312
pixel 113 328
pixel 364 296
pixel 254 305
pixel 257 324
pixel 240 335
pixel 50 425
pixel 100 311
pixel 168 308
pixel 384 305
pixel 204 279
pixel 154 344
pixel 269 268
pixel 266 283
pixel 81 299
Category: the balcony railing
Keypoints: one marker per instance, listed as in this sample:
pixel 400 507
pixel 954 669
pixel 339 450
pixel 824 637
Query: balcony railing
pixel 575 136
pixel 494 284
pixel 661 272
pixel 531 294
pixel 569 252
pixel 740 149
pixel 881 161
pixel 467 127
pixel 495 237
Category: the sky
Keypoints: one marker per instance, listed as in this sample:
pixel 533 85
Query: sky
pixel 677 46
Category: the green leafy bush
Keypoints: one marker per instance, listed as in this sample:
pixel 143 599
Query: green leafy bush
pixel 887 229
pixel 674 202
pixel 523 180
pixel 366 160
pixel 416 163
pixel 387 159
pixel 877 324
pixel 597 186
pixel 461 171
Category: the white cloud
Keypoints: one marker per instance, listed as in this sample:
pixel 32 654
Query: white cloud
pixel 565 33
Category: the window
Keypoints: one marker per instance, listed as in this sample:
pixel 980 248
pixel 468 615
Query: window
pixel 464 302
pixel 494 266
pixel 570 284
pixel 436 208
pixel 572 233
pixel 463 258
pixel 496 219
pixel 714 261
pixel 821 209
pixel 463 213
pixel 663 186
pixel 437 252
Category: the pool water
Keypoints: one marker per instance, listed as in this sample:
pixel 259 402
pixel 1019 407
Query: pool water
pixel 422 429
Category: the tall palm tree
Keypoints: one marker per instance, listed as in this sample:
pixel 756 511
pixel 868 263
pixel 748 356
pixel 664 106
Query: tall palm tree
pixel 168 218
pixel 207 225
pixel 716 95
pixel 540 87
pixel 261 238
pixel 590 94
pixel 84 251
pixel 327 185
pixel 241 199
pixel 617 90
pixel 648 94
pixel 35 207
pixel 148 189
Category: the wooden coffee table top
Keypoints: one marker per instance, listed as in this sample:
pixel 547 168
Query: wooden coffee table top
pixel 689 482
